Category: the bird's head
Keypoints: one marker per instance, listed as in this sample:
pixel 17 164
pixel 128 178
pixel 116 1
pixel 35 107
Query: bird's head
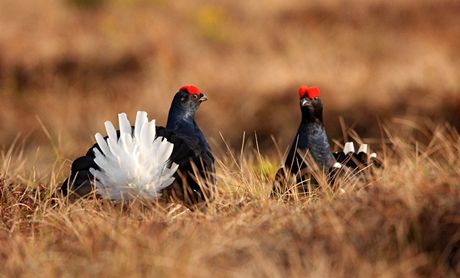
pixel 189 98
pixel 310 103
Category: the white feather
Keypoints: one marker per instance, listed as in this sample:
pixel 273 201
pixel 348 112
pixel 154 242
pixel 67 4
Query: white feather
pixel 363 149
pixel 136 163
pixel 337 165
pixel 349 148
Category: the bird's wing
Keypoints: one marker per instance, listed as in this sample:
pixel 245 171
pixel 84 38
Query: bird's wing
pixel 295 159
pixel 80 178
pixel 196 174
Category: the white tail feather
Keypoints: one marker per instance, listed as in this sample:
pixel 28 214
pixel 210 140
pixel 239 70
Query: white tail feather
pixel 135 164
pixel 363 148
pixel 337 165
pixel 349 148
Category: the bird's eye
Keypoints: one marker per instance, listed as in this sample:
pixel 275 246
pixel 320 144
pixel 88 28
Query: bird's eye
pixel 195 96
pixel 316 98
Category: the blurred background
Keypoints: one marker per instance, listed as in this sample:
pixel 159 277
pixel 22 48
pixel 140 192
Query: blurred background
pixel 66 66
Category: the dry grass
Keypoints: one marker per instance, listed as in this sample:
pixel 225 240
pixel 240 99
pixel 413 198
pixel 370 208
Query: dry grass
pixel 68 65
pixel 400 221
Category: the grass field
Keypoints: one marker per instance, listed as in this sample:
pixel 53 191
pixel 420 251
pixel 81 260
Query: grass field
pixel 390 72
pixel 399 221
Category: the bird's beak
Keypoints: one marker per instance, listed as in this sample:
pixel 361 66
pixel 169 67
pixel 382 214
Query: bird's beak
pixel 203 98
pixel 305 102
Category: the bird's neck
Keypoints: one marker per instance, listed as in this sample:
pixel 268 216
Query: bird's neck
pixel 307 130
pixel 315 116
pixel 183 123
pixel 180 120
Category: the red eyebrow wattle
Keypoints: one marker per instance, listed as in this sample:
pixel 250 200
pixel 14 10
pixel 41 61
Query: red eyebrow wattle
pixel 311 92
pixel 190 89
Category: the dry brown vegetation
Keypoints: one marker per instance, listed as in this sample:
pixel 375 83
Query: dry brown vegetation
pixel 68 65
pixel 400 221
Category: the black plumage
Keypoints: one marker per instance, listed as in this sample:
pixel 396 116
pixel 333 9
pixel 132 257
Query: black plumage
pixel 195 178
pixel 311 141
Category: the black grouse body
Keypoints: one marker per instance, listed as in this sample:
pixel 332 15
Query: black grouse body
pixel 311 141
pixel 195 178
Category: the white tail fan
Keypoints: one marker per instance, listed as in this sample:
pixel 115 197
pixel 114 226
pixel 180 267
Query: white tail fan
pixel 135 164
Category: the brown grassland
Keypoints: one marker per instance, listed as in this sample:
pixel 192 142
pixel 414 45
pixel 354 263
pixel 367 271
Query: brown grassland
pixel 388 71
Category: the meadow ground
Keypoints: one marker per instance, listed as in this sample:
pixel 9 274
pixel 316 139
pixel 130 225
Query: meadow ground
pixel 401 221
pixel 390 71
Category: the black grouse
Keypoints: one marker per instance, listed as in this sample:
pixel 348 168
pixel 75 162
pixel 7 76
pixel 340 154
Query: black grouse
pixel 311 141
pixel 191 155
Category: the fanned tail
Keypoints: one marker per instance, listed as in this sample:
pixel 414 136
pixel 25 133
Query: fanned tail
pixel 356 160
pixel 135 164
